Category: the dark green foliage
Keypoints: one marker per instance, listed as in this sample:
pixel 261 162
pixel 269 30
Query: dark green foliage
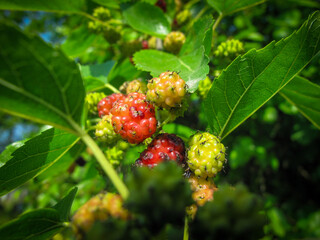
pixel 117 229
pixel 234 214
pixel 158 196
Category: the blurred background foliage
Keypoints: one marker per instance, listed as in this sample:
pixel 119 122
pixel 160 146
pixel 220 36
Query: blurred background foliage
pixel 275 153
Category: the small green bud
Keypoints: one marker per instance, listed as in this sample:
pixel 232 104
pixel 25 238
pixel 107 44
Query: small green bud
pixel 231 48
pixel 204 87
pixel 102 13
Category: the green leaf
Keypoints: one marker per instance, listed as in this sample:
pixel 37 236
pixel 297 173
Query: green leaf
pixel 96 76
pixel 182 131
pixel 192 62
pixel 61 166
pixel 36 225
pixel 305 95
pixel 192 67
pixel 34 157
pixel 227 7
pixel 41 223
pixel 38 82
pixel 5 155
pixel 108 3
pixel 65 6
pixel 252 79
pixel 200 34
pixel 78 41
pixel 64 205
pixel 147 18
pixel 123 71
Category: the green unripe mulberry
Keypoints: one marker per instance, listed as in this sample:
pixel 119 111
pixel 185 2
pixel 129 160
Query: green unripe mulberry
pixel 104 130
pixel 174 41
pixel 92 100
pixel 204 87
pixel 230 48
pixel 136 85
pixel 102 13
pixel 206 155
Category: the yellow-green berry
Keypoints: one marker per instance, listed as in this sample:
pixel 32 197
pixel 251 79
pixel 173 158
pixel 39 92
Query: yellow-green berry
pixel 136 85
pixel 183 17
pixel 99 208
pixel 167 91
pixel 152 43
pixel 204 87
pixel 96 27
pixel 102 13
pixel 230 48
pixel 92 100
pixel 104 130
pixel 206 155
pixel 173 42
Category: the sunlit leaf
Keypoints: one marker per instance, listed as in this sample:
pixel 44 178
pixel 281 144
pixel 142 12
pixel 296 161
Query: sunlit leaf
pixel 34 157
pixel 146 18
pixel 39 82
pixel 67 6
pixel 252 79
pixel 192 67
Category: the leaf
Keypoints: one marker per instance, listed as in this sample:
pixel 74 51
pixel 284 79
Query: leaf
pixel 121 72
pixel 252 79
pixel 146 18
pixel 62 165
pixel 108 3
pixel 95 76
pixel 192 62
pixel 78 41
pixel 305 95
pixel 36 225
pixel 34 157
pixel 5 155
pixel 227 7
pixel 38 82
pixel 41 223
pixel 64 205
pixel 200 34
pixel 182 131
pixel 66 6
pixel 192 67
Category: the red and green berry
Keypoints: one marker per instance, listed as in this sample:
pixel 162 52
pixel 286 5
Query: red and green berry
pixel 164 147
pixel 134 118
pixel 106 104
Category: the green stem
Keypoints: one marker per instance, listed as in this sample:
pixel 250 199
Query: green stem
pixel 186 228
pixel 107 85
pixel 167 120
pixel 216 23
pixel 106 166
pixel 112 88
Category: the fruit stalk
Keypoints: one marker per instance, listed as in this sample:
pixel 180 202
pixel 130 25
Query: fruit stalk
pixel 106 166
